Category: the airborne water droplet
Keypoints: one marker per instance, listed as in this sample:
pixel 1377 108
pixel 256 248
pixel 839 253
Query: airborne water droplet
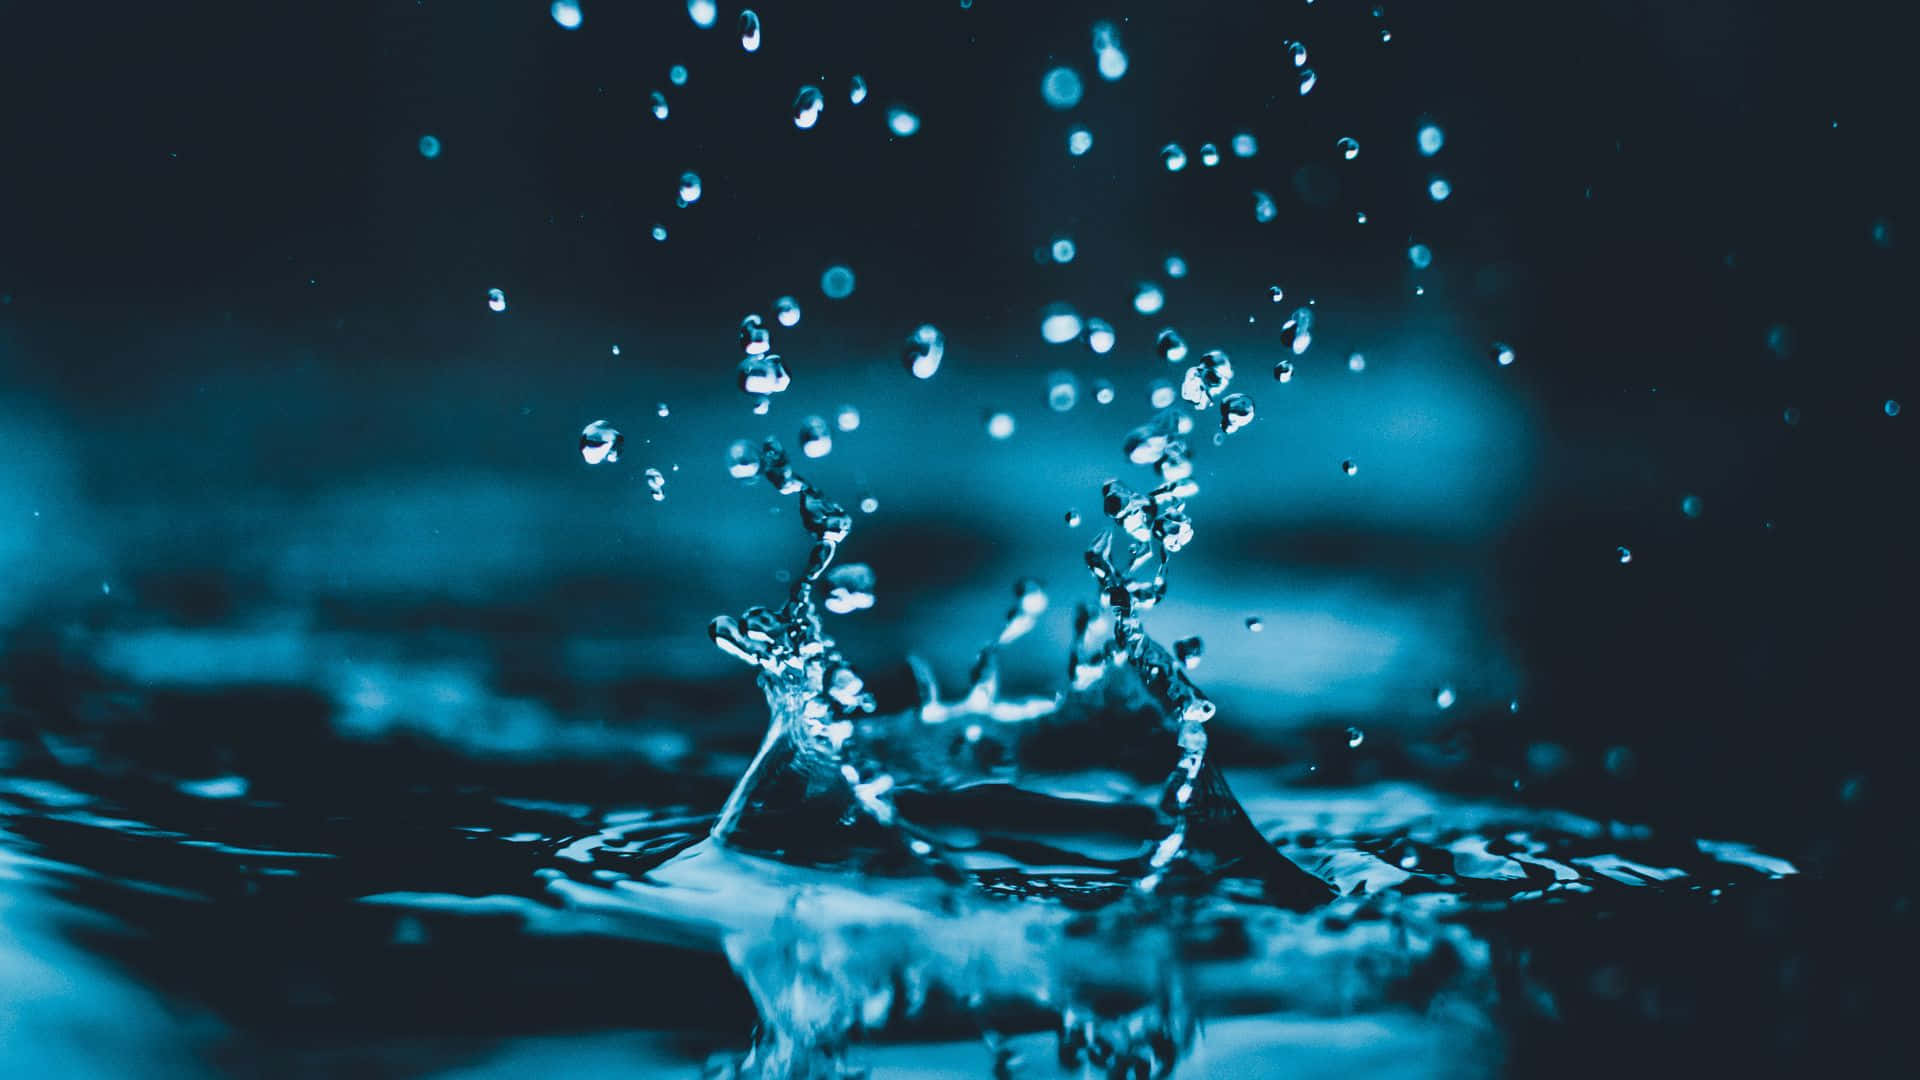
pixel 1173 157
pixel 496 300
pixel 1100 336
pixel 1000 425
pixel 1103 392
pixel 816 439
pixel 1110 57
pixel 787 311
pixel 1160 393
pixel 703 12
pixel 689 188
pixel 1073 519
pixel 662 411
pixel 807 105
pixel 1148 299
pixel 657 485
pixel 869 504
pixel 1430 139
pixel 659 105
pixel 1891 408
pixel 1502 353
pixel 1349 467
pixel 1263 208
pixel 659 232
pixel 1297 52
pixel 1355 737
pixel 763 374
pixel 567 14
pixel 1444 697
pixel 1349 148
pixel 1063 391
pixel 743 460
pixel 1420 255
pixel 1062 250
pixel 1236 412
pixel 857 90
pixel 749 31
pixel 429 147
pixel 1691 506
pixel 847 419
pixel 1079 141
pixel 1254 624
pixel 1283 371
pixel 1059 324
pixel 1171 346
pixel 851 588
pixel 1356 361
pixel 1189 650
pixel 925 349
pixel 1307 81
pixel 1176 267
pixel 901 122
pixel 1209 155
pixel 1061 88
pixel 601 442
pixel 1438 189
pixel 1245 145
pixel 1625 554
pixel 677 74
pixel 836 283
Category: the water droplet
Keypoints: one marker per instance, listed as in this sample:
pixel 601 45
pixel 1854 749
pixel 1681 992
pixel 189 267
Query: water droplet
pixel 836 283
pixel 677 74
pixel 1263 208
pixel 869 504
pixel 1283 371
pixel 496 300
pixel 659 105
pixel 1360 216
pixel 1349 467
pixel 1079 141
pixel 857 90
pixel 1691 506
pixel 1254 624
pixel 1236 412
pixel 807 106
pixel 1062 249
pixel 1625 554
pixel 925 349
pixel 1148 299
pixel 1780 340
pixel 763 374
pixel 1892 407
pixel 1189 650
pixel 1160 393
pixel 662 411
pixel 616 350
pixel 689 188
pixel 1063 391
pixel 1295 333
pixel 1061 88
pixel 1209 155
pixel 1881 232
pixel 1307 81
pixel 1386 35
pixel 601 442
pixel 660 232
pixel 1170 345
pixel 1208 379
pixel 1502 353
pixel 761 403
pixel 1110 57
pixel 429 147
pixel 1000 425
pixel 851 589
pixel 567 14
pixel 787 311
pixel 816 439
pixel 1173 157
pixel 1357 362
pixel 657 485
pixel 1073 519
pixel 749 31
pixel 1100 337
pixel 1349 148
pixel 1355 737
pixel 703 12
pixel 1438 189
pixel 901 122
pixel 1420 255
pixel 1444 697
pixel 1430 139
pixel 1791 415
pixel 1176 266
pixel 847 418
pixel 743 461
pixel 1059 324
pixel 1245 145
pixel 1103 392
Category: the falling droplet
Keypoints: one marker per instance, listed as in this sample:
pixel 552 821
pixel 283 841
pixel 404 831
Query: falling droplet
pixel 754 338
pixel 657 485
pixel 1189 650
pixel 1355 737
pixel 496 300
pixel 1356 361
pixel 1100 337
pixel 1000 425
pixel 677 74
pixel 1444 697
pixel 1171 346
pixel 749 31
pixel 1209 155
pixel 816 439
pixel 1062 249
pixel 1297 52
pixel 1073 519
pixel 429 147
pixel 1236 412
pixel 689 188
pixel 1263 208
pixel 1891 408
pixel 869 504
pixel 851 590
pixel 1059 324
pixel 601 443
pixel 743 461
pixel 1063 391
pixel 847 418
pixel 857 90
pixel 901 122
pixel 1254 624
pixel 1307 81
pixel 807 106
pixel 662 411
pixel 1420 255
pixel 1691 506
pixel 1349 467
pixel 763 374
pixel 1110 58
pixel 1173 157
pixel 1625 554
pixel 1245 145
pixel 1502 353
pixel 703 12
pixel 659 105
pixel 1176 267
pixel 1430 139
pixel 786 310
pixel 1079 141
pixel 1148 299
pixel 1103 392
pixel 1160 393
pixel 925 349
pixel 659 232
pixel 567 14
pixel 1283 371
pixel 1438 189
pixel 1061 88
pixel 836 283
pixel 1349 148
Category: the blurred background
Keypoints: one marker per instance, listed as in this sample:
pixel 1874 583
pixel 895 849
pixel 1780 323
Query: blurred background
pixel 284 497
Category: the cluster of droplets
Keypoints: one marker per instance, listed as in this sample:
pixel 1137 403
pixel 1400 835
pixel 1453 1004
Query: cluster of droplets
pixel 761 373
